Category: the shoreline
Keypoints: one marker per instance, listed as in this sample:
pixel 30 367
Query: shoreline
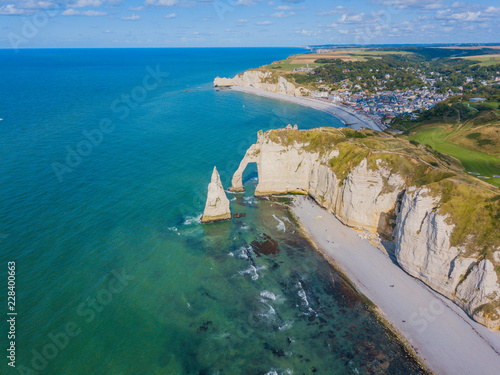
pixel 352 120
pixel 445 339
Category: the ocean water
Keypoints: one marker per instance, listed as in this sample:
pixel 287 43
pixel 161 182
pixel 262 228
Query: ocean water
pixel 105 157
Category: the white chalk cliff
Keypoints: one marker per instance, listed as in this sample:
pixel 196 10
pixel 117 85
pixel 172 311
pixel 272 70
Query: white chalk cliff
pixel 264 80
pixel 217 206
pixel 374 198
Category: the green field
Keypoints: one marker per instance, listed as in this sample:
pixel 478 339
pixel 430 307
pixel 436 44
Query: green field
pixel 350 54
pixel 473 161
pixel 285 66
pixel 493 105
pixel 486 60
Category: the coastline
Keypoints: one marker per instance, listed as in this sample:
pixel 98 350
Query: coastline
pixel 352 120
pixel 441 334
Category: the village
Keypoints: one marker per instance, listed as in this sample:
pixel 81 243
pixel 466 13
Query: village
pixel 381 91
pixel 386 105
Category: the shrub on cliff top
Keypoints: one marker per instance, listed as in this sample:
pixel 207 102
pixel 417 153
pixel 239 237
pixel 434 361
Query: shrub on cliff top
pixel 350 156
pixel 473 210
pixel 313 140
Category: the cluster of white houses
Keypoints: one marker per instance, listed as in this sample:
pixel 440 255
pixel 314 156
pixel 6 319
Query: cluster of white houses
pixel 385 104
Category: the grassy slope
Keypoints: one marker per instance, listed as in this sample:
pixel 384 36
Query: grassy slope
pixel 300 61
pixel 472 160
pixel 475 140
pixel 485 60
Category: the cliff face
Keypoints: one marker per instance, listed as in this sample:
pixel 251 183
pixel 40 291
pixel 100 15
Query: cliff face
pixel 422 239
pixel 361 201
pixel 368 192
pixel 264 80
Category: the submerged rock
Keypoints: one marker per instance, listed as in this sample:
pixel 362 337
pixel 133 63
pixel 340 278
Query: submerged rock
pixel 217 206
pixel 266 247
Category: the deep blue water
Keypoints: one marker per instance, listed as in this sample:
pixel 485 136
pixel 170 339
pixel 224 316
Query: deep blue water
pixel 104 168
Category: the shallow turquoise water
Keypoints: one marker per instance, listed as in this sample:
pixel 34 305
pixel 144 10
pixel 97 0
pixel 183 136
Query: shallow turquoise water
pixel 188 299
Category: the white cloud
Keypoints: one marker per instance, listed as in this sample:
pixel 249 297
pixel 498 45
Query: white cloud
pixel 434 6
pixel 355 18
pixel 305 32
pixel 492 10
pixel 171 15
pixel 246 3
pixel 87 13
pixel 10 10
pixel 33 4
pixel 136 9
pixel 162 3
pixel 462 15
pixel 331 12
pixel 379 17
pixel 403 4
pixel 282 14
pixel 264 23
pixel 85 4
pixel 133 17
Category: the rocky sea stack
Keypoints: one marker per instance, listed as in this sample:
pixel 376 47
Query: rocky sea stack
pixel 217 206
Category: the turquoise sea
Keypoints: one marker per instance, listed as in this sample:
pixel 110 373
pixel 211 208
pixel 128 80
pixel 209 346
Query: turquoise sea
pixel 105 158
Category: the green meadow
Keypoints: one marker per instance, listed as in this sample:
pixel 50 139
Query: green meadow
pixel 472 160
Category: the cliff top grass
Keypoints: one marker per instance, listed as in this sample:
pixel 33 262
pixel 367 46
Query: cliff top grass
pixel 475 212
pixel 469 132
pixel 348 141
pixel 402 154
pixel 477 148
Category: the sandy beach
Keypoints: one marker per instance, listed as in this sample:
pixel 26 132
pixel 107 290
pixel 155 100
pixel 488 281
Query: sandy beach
pixel 353 120
pixel 444 337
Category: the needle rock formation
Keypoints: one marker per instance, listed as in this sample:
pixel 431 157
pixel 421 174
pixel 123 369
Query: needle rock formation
pixel 217 206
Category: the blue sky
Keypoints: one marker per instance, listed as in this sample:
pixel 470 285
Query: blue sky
pixel 231 23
